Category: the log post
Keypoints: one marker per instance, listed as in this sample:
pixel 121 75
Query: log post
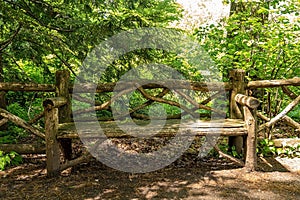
pixel 237 80
pixel 62 85
pixel 251 125
pixel 52 145
pixel 64 115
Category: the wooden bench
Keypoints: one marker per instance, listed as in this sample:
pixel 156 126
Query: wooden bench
pixel 54 131
pixel 58 112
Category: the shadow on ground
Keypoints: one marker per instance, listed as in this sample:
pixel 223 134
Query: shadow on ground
pixel 198 179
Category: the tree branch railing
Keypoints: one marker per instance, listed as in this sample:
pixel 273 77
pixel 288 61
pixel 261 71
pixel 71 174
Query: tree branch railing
pixel 36 118
pixel 174 84
pixel 282 114
pixel 22 123
pixel 161 100
pixel 273 83
pixel 285 118
pixel 27 87
pixel 288 92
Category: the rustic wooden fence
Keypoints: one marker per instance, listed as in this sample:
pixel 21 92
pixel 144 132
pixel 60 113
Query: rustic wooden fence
pixel 59 110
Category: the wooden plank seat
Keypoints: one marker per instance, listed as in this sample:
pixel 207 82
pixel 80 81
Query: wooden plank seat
pixel 226 127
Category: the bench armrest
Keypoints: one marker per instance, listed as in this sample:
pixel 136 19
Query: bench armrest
pixel 244 100
pixel 55 102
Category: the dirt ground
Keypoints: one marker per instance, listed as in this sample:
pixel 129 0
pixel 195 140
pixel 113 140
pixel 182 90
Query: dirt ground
pixel 187 178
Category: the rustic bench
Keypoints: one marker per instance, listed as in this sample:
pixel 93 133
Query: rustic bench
pixel 57 114
pixel 55 131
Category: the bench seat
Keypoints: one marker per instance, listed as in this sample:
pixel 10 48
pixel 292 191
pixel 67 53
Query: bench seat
pixel 169 128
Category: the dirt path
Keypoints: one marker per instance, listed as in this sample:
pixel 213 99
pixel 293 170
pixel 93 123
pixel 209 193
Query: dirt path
pixel 205 179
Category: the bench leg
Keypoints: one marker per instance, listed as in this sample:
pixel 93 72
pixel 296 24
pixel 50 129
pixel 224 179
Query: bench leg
pixel 251 157
pixel 52 145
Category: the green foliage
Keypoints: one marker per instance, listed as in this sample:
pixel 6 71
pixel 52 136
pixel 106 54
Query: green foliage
pixel 7 138
pixel 9 159
pixel 39 37
pixel 234 153
pixel 224 147
pixel 295 114
pixel 289 151
pixel 262 38
pixel 18 110
pixel 13 133
pixel 25 112
pixel 266 148
pixel 258 38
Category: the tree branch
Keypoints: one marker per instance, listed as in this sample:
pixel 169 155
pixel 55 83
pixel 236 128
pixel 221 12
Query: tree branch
pixel 289 121
pixel 29 13
pixel 61 59
pixel 197 105
pixel 161 100
pixel 104 105
pixel 288 92
pixel 9 41
pixel 281 115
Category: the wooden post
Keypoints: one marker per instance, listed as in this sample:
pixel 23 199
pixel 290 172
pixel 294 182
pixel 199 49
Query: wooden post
pixel 237 80
pixel 251 124
pixel 52 145
pixel 64 115
pixel 62 84
pixel 51 107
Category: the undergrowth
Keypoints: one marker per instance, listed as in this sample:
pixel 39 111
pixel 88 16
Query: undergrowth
pixel 9 159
